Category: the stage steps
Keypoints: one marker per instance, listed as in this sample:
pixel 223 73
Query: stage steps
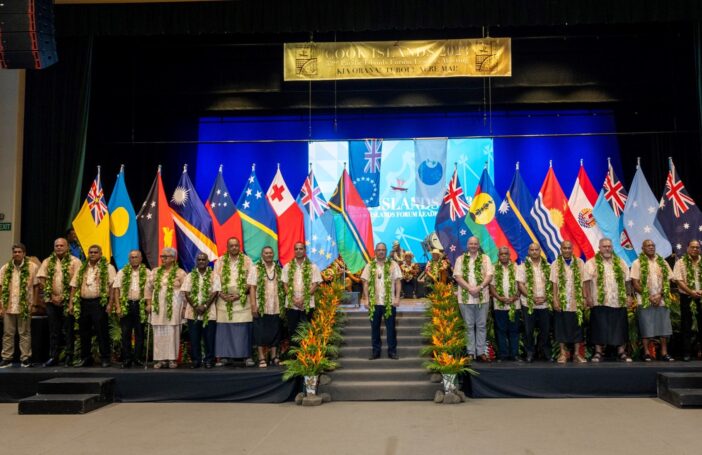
pixel 383 379
pixel 66 395
pixel 683 390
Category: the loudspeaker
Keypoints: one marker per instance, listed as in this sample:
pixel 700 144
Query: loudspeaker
pixel 27 34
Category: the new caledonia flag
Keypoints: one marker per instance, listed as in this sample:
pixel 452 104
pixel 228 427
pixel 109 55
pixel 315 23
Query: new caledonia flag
pixel 156 228
pixel 226 222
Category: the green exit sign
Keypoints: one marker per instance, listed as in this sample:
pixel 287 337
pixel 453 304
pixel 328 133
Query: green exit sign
pixel 5 226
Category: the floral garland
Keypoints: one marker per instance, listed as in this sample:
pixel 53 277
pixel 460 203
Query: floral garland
pixel 169 290
pixel 104 288
pixel 477 272
pixel 262 271
pixel 645 294
pixel 240 281
pixel 7 284
pixel 195 291
pixel 577 287
pixel 126 285
pixel 546 272
pixel 387 298
pixel 51 270
pixel 692 273
pixel 306 282
pixel 618 277
pixel 499 280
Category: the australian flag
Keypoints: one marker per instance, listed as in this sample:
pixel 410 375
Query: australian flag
pixel 450 223
pixel 678 215
pixel 320 233
pixel 364 161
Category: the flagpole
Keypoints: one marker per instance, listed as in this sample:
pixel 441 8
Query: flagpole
pixel 185 168
pixel 159 169
pixel 220 168
pixel 516 166
pixel 638 162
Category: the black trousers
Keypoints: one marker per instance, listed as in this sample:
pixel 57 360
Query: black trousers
pixel 540 319
pixel 131 324
pixel 390 332
pixel 686 323
pixel 198 334
pixel 409 288
pixel 295 318
pixel 93 317
pixel 57 327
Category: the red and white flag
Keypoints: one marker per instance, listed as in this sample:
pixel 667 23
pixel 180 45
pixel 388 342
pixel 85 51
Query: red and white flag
pixel 582 200
pixel 291 222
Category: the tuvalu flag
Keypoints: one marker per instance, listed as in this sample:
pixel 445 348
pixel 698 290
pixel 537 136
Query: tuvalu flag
pixel 258 221
pixel 92 224
pixel 354 231
pixel 226 222
pixel 124 233
pixel 581 202
pixel 364 163
pixel 156 229
pixel 449 224
pixel 287 214
pixel 320 232
pixel 678 215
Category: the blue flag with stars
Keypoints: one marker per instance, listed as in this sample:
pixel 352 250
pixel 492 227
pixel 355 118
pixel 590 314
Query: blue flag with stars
pixel 679 216
pixel 320 233
pixel 258 221
pixel 364 169
pixel 450 223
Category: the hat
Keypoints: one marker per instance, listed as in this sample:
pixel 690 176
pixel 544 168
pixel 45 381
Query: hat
pixel 396 243
pixel 435 251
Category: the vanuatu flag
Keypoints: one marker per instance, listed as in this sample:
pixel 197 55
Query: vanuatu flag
pixel 155 221
pixel 258 222
pixel 354 231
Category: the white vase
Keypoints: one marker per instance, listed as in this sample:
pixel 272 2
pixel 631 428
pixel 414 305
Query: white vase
pixel 449 381
pixel 311 383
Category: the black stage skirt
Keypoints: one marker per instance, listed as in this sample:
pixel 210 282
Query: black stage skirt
pixel 609 326
pixel 566 328
pixel 266 330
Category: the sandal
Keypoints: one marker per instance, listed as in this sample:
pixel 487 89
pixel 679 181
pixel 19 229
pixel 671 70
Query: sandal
pixel 624 358
pixel 563 358
pixel 262 364
pixel 580 359
pixel 276 361
pixel 647 358
pixel 667 358
pixel 158 365
pixel 596 357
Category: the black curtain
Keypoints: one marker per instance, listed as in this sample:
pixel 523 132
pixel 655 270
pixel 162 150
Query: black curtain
pixel 56 120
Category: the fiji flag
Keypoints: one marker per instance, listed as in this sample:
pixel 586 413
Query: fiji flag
pixel 193 223
pixel 258 221
pixel 450 223
pixel 320 233
pixel 226 222
pixel 364 163
pixel 678 214
pixel 124 232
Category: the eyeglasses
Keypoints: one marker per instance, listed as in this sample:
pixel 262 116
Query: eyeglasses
pixel 164 256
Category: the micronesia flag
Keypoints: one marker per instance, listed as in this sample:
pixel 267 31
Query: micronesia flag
pixel 678 214
pixel 450 224
pixel 226 222
pixel 320 232
pixel 193 223
pixel 430 170
pixel 258 220
pixel 364 167
pixel 124 233
pixel 640 216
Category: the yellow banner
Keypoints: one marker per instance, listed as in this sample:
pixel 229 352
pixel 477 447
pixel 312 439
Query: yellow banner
pixel 484 57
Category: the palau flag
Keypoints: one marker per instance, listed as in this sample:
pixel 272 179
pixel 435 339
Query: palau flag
pixel 226 222
pixel 430 170
pixel 156 228
pixel 450 224
pixel 364 163
pixel 92 224
pixel 482 222
pixel 607 211
pixel 640 216
pixel 258 222
pixel 287 214
pixel 581 203
pixel 354 231
pixel 124 232
pixel 679 216
pixel 320 232
pixel 514 215
pixel 193 223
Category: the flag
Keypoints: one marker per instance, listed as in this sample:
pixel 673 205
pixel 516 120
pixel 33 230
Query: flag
pixel 320 233
pixel 156 228
pixel 258 222
pixel 514 215
pixel 287 214
pixel 554 220
pixel 430 168
pixel 226 222
pixel 481 219
pixel 124 233
pixel 607 211
pixel 450 224
pixel 678 215
pixel 193 223
pixel 639 216
pixel 581 202
pixel 92 224
pixel 352 221
pixel 364 163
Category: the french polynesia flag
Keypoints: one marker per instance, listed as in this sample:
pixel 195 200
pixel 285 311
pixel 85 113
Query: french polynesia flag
pixel 226 221
pixel 582 200
pixel 291 221
pixel 155 221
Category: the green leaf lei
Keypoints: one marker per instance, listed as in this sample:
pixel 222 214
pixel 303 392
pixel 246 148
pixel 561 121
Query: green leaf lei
pixel 195 291
pixel 645 294
pixel 7 284
pixel 306 282
pixel 692 277
pixel 546 272
pixel 618 276
pixel 261 277
pixel 104 287
pixel 124 291
pixel 169 290
pixel 51 270
pixel 477 272
pixel 387 286
pixel 499 278
pixel 240 281
pixel 577 287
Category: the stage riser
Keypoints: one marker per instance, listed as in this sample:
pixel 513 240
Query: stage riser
pixel 365 341
pixel 103 387
pixel 683 390
pixel 404 362
pixel 382 391
pixel 400 322
pixel 60 404
pixel 366 331
pixel 680 380
pixel 409 351
pixel 381 374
